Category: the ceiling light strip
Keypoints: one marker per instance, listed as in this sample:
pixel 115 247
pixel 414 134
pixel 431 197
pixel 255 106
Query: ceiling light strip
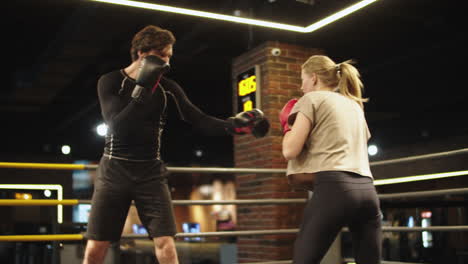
pixel 421 177
pixel 204 14
pixel 338 15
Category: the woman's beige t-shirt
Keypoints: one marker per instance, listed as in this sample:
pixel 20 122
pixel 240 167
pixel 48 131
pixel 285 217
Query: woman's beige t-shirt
pixel 338 140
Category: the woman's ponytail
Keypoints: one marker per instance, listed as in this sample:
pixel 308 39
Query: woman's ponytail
pixel 349 83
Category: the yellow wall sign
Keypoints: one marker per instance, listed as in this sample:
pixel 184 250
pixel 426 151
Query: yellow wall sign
pixel 248 96
pixel 247 86
pixel 248 105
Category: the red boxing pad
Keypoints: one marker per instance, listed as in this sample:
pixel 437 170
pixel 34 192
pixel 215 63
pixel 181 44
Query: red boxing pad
pixel 284 114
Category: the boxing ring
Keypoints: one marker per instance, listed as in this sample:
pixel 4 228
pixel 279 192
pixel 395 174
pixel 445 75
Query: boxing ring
pixel 391 196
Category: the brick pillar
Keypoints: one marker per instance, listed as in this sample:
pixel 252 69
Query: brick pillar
pixel 279 81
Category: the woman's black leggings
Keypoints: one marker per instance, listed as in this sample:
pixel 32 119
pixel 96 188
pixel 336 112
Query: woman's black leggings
pixel 340 199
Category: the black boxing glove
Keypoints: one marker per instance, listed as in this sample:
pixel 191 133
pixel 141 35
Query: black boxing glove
pixel 249 122
pixel 260 127
pixel 150 72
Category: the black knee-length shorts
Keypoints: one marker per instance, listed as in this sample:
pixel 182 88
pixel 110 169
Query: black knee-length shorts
pixel 119 182
pixel 340 199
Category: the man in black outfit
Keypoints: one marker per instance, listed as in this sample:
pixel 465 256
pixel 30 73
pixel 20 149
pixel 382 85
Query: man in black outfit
pixel 133 103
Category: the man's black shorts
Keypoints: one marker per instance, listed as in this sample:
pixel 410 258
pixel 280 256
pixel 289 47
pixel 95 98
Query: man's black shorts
pixel 119 182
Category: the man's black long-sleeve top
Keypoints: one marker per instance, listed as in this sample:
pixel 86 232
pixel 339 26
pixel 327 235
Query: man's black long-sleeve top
pixel 135 127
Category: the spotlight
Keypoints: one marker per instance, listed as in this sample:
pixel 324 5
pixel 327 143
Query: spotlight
pixel 101 129
pixel 47 193
pixel 66 149
pixel 198 153
pixel 372 150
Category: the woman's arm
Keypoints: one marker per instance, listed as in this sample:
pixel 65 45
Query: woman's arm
pixel 294 140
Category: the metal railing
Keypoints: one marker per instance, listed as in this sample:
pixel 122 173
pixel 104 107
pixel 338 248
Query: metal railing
pixel 418 194
pixel 344 260
pixel 421 157
pixel 59 166
pixel 290 231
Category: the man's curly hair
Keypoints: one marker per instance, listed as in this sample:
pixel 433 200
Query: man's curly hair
pixel 151 37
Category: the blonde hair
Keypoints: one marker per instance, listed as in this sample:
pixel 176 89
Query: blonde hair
pixel 344 76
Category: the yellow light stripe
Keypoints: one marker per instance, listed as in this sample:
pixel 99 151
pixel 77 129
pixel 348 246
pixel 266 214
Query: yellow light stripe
pixel 36 202
pixel 424 177
pixel 56 187
pixel 42 237
pixel 49 166
pixel 249 21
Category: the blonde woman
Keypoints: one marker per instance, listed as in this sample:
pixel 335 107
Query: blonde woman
pixel 325 143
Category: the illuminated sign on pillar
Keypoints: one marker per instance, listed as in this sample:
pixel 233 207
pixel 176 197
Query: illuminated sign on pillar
pixel 248 90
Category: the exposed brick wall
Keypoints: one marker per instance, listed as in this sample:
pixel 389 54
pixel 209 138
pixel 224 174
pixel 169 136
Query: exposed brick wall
pixel 279 81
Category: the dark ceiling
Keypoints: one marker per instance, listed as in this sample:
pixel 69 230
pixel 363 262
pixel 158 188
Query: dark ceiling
pixel 410 53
